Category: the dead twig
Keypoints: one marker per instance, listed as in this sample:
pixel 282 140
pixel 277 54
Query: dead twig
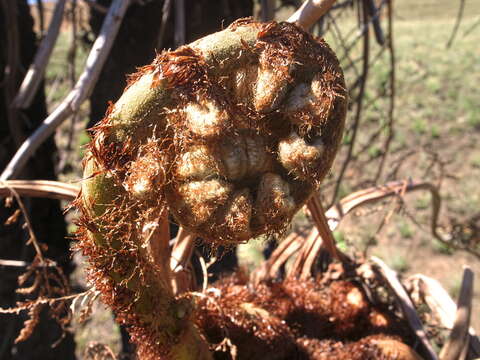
pixel 310 12
pixel 166 9
pixel 267 10
pixel 311 243
pixel 180 36
pixel 442 306
pixel 373 194
pixel 71 62
pixel 305 243
pixel 471 28
pixel 39 188
pixel 33 239
pixel 359 105
pixel 318 214
pixel 34 75
pixel 457 344
pixel 391 107
pixel 458 20
pixel 374 13
pixel 41 16
pixel 21 264
pixel 86 82
pixel 270 268
pixel 406 305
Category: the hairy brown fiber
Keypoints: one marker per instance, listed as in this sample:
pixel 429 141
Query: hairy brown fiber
pixel 300 319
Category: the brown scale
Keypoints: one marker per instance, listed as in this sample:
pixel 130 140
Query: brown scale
pixel 299 319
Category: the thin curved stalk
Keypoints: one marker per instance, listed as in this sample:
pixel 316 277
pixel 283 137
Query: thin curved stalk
pixel 34 75
pixel 359 102
pixel 442 306
pixel 40 188
pixel 456 346
pixel 406 305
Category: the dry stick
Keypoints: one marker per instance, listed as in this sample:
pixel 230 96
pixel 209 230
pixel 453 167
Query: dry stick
pixel 363 26
pixel 337 34
pixel 34 76
pixel 13 263
pixel 180 36
pixel 458 339
pixel 374 15
pixel 50 301
pixel 406 304
pixel 166 9
pixel 391 107
pixel 270 268
pixel 22 264
pixel 362 197
pixel 41 16
pixel 471 28
pixel 442 305
pixel 39 188
pixel 71 65
pixel 358 113
pixel 78 95
pixel 267 10
pixel 287 248
pixel 306 247
pixel 318 214
pixel 310 12
pixel 306 271
pixel 337 212
pixel 96 6
pixel 457 23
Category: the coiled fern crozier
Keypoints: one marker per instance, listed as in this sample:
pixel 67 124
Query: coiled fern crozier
pixel 230 135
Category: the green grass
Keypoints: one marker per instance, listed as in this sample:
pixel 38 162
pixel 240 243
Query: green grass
pixel 56 75
pixel 399 263
pixel 341 240
pixel 405 229
pixel 442 248
pixel 475 162
pixel 423 202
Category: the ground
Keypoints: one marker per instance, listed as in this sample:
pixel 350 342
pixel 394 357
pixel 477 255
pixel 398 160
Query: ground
pixel 437 124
